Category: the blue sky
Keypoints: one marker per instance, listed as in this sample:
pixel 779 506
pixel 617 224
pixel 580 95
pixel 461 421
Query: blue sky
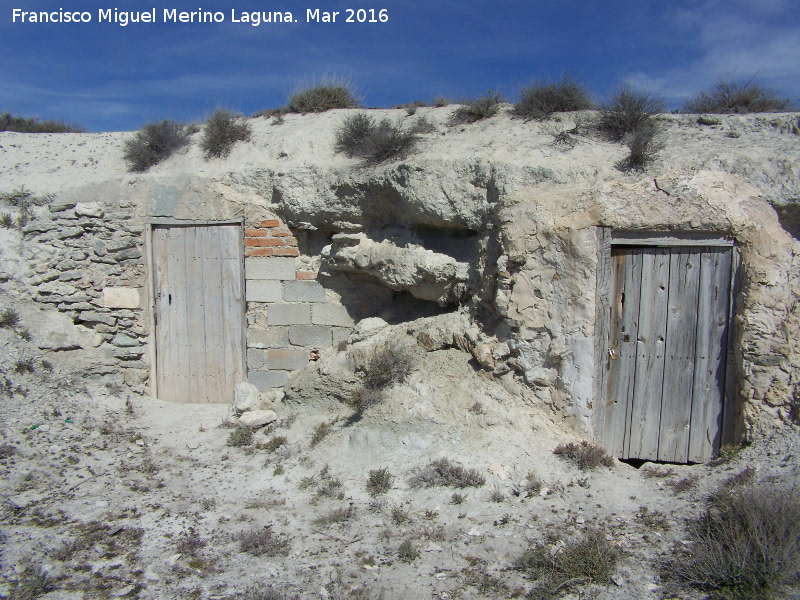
pixel 108 77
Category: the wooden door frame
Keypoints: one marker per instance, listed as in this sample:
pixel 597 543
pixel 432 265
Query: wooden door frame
pixel 150 225
pixel 606 237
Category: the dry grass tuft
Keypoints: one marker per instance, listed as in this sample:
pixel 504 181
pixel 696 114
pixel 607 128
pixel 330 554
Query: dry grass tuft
pixel 585 455
pixel 543 98
pixel 442 472
pixel 746 545
pixel 477 109
pixel 154 143
pixel 556 568
pixel 222 130
pixel 379 482
pixel 261 541
pixel 9 122
pixel 328 94
pixel 374 143
pixel 735 97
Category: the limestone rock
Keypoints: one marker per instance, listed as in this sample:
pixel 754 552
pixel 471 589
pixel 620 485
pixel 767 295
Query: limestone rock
pixel 258 418
pixel 426 274
pixel 246 397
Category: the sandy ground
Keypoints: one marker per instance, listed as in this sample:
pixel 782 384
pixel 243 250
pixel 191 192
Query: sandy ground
pixel 129 497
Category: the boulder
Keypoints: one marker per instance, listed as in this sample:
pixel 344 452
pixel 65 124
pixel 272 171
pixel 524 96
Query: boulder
pixel 258 418
pixel 246 397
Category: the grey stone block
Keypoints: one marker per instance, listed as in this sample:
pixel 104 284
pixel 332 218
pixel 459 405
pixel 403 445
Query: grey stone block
pixel 265 380
pixel 303 291
pixel 341 334
pixel 289 359
pixel 310 336
pixel 274 267
pixel 272 337
pixel 289 314
pixel 331 314
pixel 263 291
pixel 97 317
pixel 257 359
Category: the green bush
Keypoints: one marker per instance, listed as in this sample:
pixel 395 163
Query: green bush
pixel 745 545
pixel 327 95
pixel 374 143
pixel 222 130
pixel 8 122
pixel 154 143
pixel 627 112
pixel 734 97
pixel 477 109
pixel 543 98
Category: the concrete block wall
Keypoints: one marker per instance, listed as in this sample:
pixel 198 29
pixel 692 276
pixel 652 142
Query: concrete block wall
pixel 290 319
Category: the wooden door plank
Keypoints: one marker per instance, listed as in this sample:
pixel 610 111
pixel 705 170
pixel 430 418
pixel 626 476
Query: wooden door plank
pixel 626 280
pixel 602 323
pixel 161 283
pixel 196 314
pixel 711 350
pixel 676 399
pixel 649 372
pixel 212 299
pixel 179 325
pixel 732 417
pixel 232 308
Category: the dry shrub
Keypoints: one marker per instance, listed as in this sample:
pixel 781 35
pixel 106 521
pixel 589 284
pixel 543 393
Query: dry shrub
pixel 477 109
pixel 543 98
pixel 383 368
pixel 154 143
pixel 589 559
pixel 240 436
pixel 585 455
pixel 190 543
pixel 746 545
pixel 9 318
pixel 684 484
pixel 9 122
pixel 628 111
pixel 644 145
pixel 222 130
pixel 374 143
pixel 407 552
pixel 379 482
pixel 266 592
pixel 330 93
pixel 31 583
pixel 442 472
pixel 261 541
pixel 735 97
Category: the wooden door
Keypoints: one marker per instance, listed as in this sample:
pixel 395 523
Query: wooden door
pixel 667 352
pixel 199 312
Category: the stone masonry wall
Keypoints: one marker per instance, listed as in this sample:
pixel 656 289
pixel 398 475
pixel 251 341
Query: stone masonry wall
pixel 290 319
pixel 87 262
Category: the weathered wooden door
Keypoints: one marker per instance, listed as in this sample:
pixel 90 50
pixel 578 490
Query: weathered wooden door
pixel 199 312
pixel 667 352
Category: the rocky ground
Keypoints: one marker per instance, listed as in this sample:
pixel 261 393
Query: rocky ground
pixel 110 495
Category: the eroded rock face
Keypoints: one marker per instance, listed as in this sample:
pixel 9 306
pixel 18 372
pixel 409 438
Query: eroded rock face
pixel 492 218
pixel 425 274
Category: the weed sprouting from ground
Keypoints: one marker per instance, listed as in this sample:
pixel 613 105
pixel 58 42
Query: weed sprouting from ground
pixel 275 443
pixel 336 516
pixel 190 543
pixel 379 482
pixel 735 97
pixel 261 541
pixel 443 472
pixel 9 318
pixel 222 130
pixel 398 514
pixel 589 559
pixel 407 552
pixel 746 544
pixel 585 455
pixel 374 143
pixel 684 484
pixel 477 109
pixel 154 143
pixel 322 431
pixel 384 367
pixel 543 98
